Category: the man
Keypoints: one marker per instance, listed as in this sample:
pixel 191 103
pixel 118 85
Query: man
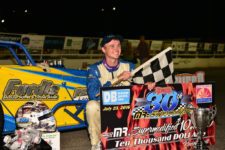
pixel 108 72
pixel 142 50
pixel 101 74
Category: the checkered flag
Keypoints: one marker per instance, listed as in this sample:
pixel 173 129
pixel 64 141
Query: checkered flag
pixel 158 69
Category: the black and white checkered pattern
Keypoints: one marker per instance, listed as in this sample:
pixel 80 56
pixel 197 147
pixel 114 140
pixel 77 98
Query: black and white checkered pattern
pixel 160 70
pixel 138 109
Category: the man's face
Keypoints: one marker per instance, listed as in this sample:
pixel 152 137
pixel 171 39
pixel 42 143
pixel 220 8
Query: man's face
pixel 112 49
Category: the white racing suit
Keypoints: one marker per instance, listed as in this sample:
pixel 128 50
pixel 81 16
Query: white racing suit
pixel 100 76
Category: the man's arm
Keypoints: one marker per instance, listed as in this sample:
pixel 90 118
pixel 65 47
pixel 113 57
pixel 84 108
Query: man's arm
pixel 93 84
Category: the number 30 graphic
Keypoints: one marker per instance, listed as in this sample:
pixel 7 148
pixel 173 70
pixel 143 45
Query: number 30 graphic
pixel 166 102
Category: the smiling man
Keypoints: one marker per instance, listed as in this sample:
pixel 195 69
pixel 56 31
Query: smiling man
pixel 103 74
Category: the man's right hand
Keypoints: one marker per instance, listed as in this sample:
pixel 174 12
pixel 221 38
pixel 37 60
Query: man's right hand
pixel 124 76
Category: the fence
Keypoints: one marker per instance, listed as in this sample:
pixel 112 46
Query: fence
pixel 87 49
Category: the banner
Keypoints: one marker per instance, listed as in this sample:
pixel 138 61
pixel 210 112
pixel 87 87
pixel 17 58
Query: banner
pixel 192 46
pixel 156 45
pixel 154 119
pixel 73 43
pixel 54 42
pixel 167 44
pixel 207 46
pixel 33 41
pixel 178 46
pixel 89 44
pixel 197 77
pixel 220 47
pixel 10 37
pixel 134 43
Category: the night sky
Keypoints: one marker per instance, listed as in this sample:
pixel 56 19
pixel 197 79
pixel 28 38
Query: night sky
pixel 155 19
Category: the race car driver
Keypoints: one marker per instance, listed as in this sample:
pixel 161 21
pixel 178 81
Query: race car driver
pixel 109 71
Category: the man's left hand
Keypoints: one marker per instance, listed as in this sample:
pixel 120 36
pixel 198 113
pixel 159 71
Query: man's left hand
pixel 151 85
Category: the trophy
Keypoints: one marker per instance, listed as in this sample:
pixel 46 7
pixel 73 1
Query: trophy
pixel 202 118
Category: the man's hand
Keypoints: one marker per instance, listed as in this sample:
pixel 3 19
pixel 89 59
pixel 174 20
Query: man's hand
pixel 44 66
pixel 124 76
pixel 151 85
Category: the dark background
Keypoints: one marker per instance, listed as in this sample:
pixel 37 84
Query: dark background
pixel 158 19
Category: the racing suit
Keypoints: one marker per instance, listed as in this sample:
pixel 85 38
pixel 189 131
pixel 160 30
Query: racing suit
pixel 101 75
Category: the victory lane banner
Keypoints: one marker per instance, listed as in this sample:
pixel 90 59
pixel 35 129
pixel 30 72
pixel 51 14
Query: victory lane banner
pixel 134 117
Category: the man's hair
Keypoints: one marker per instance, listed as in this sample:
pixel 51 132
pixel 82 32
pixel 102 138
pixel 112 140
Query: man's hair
pixel 110 37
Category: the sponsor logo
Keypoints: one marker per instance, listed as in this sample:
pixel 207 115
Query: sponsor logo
pixel 161 90
pixel 160 105
pixel 203 94
pixel 116 97
pixel 198 77
pixel 16 90
pixel 80 94
pixel 23 120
